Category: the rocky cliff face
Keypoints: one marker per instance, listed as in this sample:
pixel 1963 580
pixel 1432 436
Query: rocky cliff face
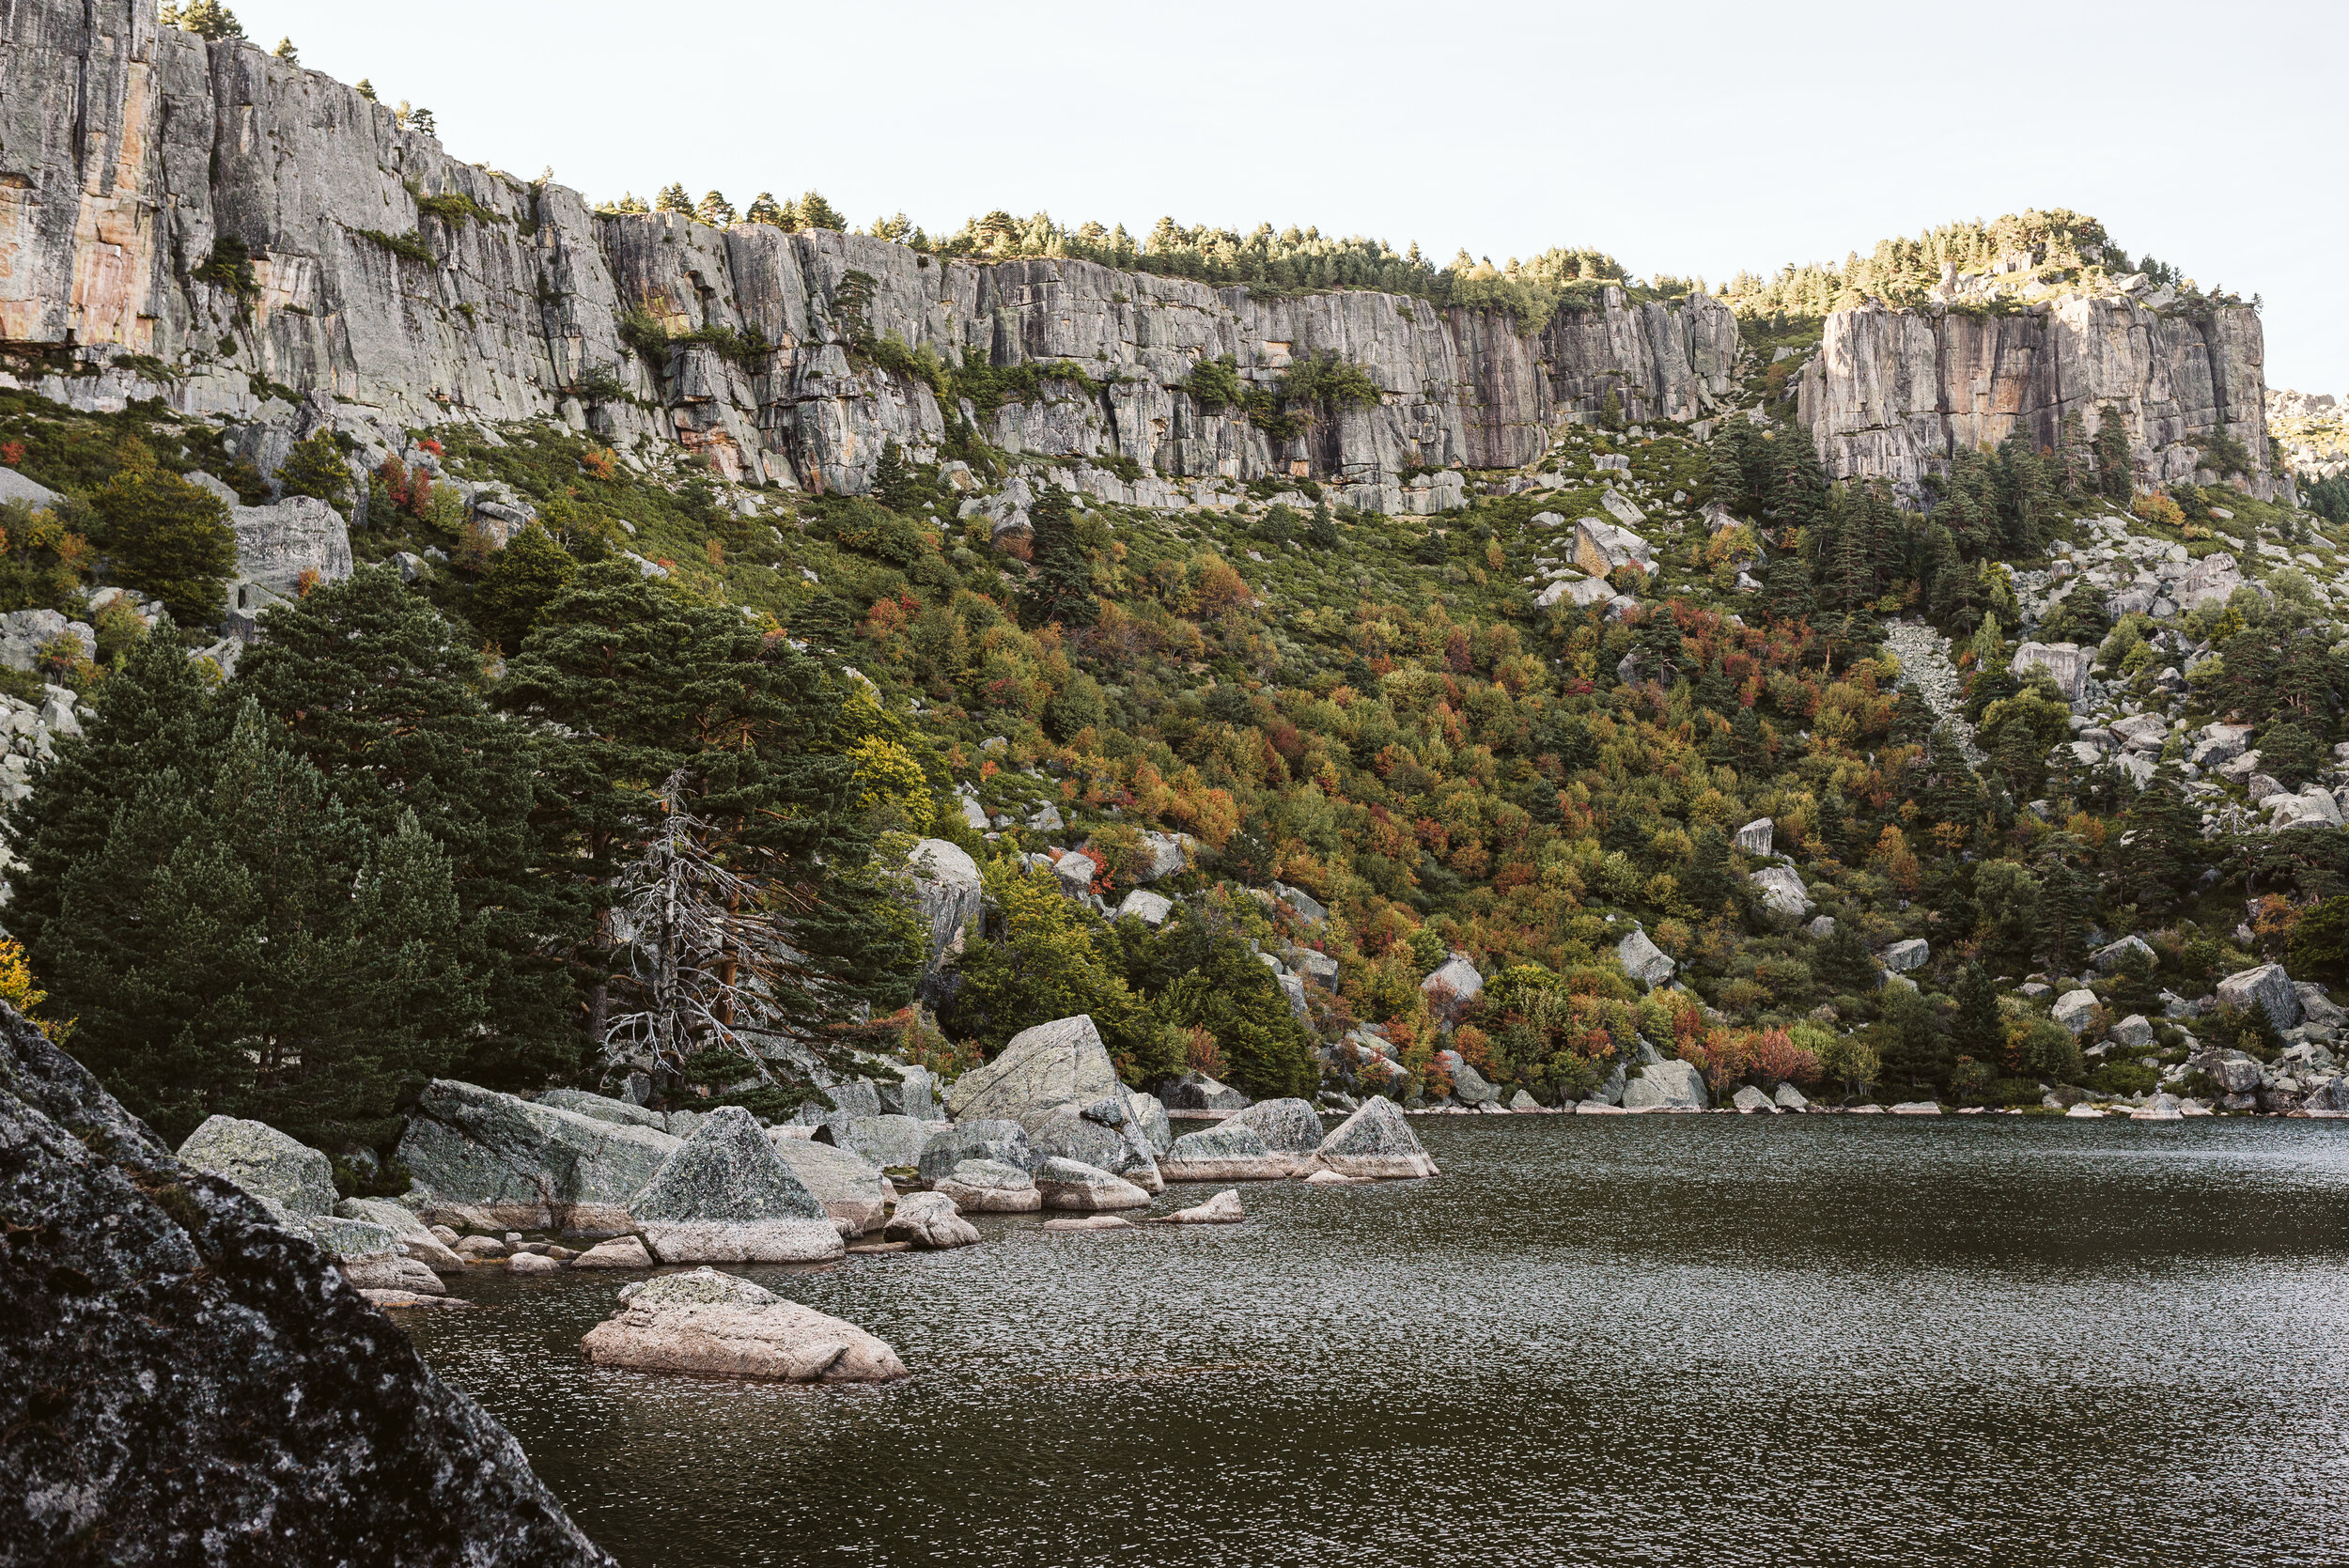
pixel 135 158
pixel 182 1380
pixel 1892 393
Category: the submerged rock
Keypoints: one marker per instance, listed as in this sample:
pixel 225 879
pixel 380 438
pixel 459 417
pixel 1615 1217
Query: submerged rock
pixel 621 1251
pixel 1374 1141
pixel 1091 1222
pixel 727 1196
pixel 723 1327
pixel 1221 1209
pixel 991 1186
pixel 185 1379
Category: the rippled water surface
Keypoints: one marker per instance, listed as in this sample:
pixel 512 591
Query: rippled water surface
pixel 1671 1340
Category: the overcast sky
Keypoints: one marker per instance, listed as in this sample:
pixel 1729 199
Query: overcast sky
pixel 1696 138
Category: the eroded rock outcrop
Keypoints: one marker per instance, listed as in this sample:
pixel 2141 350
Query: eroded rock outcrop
pixel 721 1326
pixel 185 1380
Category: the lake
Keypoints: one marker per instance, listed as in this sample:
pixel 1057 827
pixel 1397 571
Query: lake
pixel 1642 1340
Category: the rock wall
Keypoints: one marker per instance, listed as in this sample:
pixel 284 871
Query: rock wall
pixel 130 151
pixel 1892 393
pixel 182 1380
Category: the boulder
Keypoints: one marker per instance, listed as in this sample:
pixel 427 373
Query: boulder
pixel 2065 663
pixel 1091 1137
pixel 15 486
pixel 1915 1107
pixel 1791 1098
pixel 2073 1009
pixel 1903 956
pixel 1195 1093
pixel 2135 1032
pixel 1673 1085
pixel 991 1186
pixel 1224 1153
pixel 1162 856
pixel 1755 837
pixel 852 1190
pixel 930 1220
pixel 1004 1142
pixel 1748 1100
pixel 723 1327
pixel 2084 1111
pixel 1521 1102
pixel 727 1196
pixel 291 1180
pixel 1221 1209
pixel 532 1262
pixel 1151 908
pixel 915 1095
pixel 945 892
pixel 1601 547
pixel 2110 956
pixel 1375 1140
pixel 488 1160
pixel 1091 1222
pixel 1332 1178
pixel 1289 1127
pixel 1642 960
pixel 1454 987
pixel 880 1141
pixel 603 1107
pixel 411 1234
pixel 1043 1068
pixel 183 1381
pixel 481 1249
pixel 1149 1114
pixel 280 545
pixel 2161 1108
pixel 1782 891
pixel 1075 874
pixel 1068 1183
pixel 1469 1086
pixel 621 1251
pixel 2269 987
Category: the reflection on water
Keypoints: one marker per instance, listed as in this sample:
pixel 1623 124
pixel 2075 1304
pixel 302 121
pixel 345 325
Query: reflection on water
pixel 1682 1339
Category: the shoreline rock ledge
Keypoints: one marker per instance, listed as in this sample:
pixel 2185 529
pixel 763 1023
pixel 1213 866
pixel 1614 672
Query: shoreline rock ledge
pixel 184 1380
pixel 723 1327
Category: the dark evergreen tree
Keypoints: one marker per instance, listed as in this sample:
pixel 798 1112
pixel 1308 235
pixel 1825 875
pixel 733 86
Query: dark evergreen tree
pixel 2116 475
pixel 166 537
pixel 2160 853
pixel 518 583
pixel 895 484
pixel 1844 964
pixel 1061 588
pixel 1976 1029
pixel 371 687
pixel 1786 591
pixel 316 467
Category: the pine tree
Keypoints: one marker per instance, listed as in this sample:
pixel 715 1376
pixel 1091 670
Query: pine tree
pixel 715 210
pixel 1844 964
pixel 241 946
pixel 316 467
pixel 673 199
pixel 2030 496
pixel 764 209
pixel 206 19
pixel 2160 850
pixel 518 584
pixel 813 211
pixel 1977 1030
pixel 1787 592
pixel 2116 475
pixel 1062 587
pixel 154 711
pixel 1725 475
pixel 420 121
pixel 371 687
pixel 287 51
pixel 1798 496
pixel 165 537
pixel 2075 461
pixel 364 89
pixel 895 484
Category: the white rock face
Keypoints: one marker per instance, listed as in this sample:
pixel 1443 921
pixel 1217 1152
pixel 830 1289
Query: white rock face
pixel 2067 664
pixel 1754 838
pixel 947 892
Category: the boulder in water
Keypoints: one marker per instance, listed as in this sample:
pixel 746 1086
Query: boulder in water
pixel 1196 1094
pixel 495 1163
pixel 727 1196
pixel 1221 1209
pixel 1225 1153
pixel 1103 1135
pixel 930 1220
pixel 991 1186
pixel 1042 1069
pixel 1004 1142
pixel 723 1327
pixel 1288 1127
pixel 621 1251
pixel 1374 1141
pixel 1067 1183
pixel 1091 1222
pixel 852 1190
pixel 185 1378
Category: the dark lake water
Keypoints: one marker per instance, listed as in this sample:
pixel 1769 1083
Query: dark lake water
pixel 1621 1339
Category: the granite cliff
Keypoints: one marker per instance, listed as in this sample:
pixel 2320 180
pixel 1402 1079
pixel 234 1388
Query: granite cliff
pixel 1891 392
pixel 208 224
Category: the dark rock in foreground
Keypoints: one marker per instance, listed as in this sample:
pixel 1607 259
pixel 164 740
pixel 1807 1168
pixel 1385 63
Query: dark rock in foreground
pixel 183 1381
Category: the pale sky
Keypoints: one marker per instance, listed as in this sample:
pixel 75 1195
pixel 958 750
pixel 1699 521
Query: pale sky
pixel 1695 138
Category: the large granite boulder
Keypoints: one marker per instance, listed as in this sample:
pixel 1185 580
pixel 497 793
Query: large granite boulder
pixel 915 1095
pixel 1196 1094
pixel 291 1180
pixel 1005 1142
pixel 603 1107
pixel 1068 1183
pixel 1042 1069
pixel 991 1186
pixel 410 1234
pixel 723 1327
pixel 1225 1153
pixel 2267 987
pixel 281 545
pixel 1289 1127
pixel 2075 1009
pixel 1666 1086
pixel 1104 1134
pixel 1149 1113
pixel 1469 1086
pixel 1454 987
pixel 183 1379
pixel 2065 663
pixel 1375 1140
pixel 1782 891
pixel 932 1221
pixel 493 1162
pixel 1642 960
pixel 946 892
pixel 853 1193
pixel 884 1141
pixel 727 1196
